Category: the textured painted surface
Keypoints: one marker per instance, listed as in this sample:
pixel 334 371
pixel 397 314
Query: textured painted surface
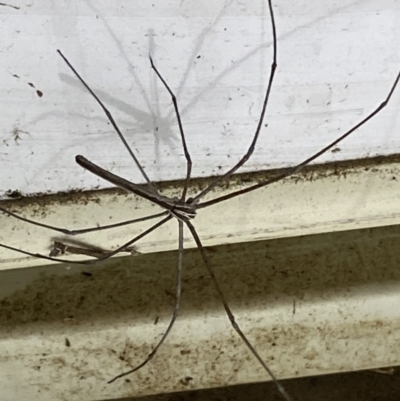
pixel 336 62
pixel 312 305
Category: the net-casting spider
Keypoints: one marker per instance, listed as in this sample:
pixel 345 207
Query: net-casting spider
pixel 184 208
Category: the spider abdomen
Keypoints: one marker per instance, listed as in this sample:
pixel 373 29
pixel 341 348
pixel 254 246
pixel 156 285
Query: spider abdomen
pixel 183 212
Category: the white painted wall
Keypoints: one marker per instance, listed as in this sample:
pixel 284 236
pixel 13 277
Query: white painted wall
pixel 336 62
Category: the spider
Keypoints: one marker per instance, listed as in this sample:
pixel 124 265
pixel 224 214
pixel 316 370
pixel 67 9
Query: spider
pixel 183 208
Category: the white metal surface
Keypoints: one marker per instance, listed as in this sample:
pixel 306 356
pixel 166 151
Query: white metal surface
pixel 311 305
pixel 308 303
pixel 336 62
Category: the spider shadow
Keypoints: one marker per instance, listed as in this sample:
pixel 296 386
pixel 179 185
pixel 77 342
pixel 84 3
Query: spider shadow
pixel 152 120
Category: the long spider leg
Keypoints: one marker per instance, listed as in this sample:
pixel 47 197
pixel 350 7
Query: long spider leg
pixel 183 139
pixel 124 223
pixel 250 150
pixel 298 167
pixel 231 317
pixel 174 313
pixel 112 121
pixel 90 262
pixel 132 241
pixel 122 182
pixel 83 230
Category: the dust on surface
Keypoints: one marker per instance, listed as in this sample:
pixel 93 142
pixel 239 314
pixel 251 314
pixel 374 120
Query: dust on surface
pixel 248 272
pixel 237 181
pixel 128 290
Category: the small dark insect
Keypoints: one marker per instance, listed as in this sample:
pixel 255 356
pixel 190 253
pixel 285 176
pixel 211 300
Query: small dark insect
pixel 183 208
pixel 67 342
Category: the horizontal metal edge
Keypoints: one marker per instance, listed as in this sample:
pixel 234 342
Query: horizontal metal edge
pixel 321 199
